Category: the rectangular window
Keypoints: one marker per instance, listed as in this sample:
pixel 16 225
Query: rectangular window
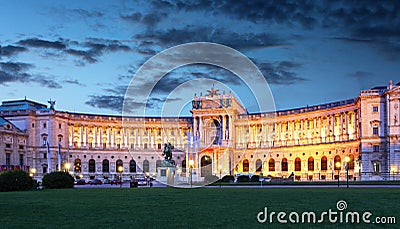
pixel 44 125
pixel 8 159
pixel 159 145
pixel 45 155
pixel 21 160
pixel 8 145
pixel 376 167
pixel 375 130
pixel 59 126
pixel 104 145
pixel 374 109
pixel 132 146
pixel 44 170
pixel 145 145
pixel 21 147
pixel 33 125
pixel 118 146
pixel 376 148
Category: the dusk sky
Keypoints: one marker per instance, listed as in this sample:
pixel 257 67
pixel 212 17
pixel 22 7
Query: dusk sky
pixel 83 54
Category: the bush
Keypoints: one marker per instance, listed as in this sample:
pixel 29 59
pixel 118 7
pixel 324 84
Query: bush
pixel 210 179
pixel 15 180
pixel 228 178
pixel 243 178
pixel 58 180
pixel 255 178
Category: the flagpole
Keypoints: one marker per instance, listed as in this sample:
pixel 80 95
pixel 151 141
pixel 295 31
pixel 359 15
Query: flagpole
pixel 48 157
pixel 59 156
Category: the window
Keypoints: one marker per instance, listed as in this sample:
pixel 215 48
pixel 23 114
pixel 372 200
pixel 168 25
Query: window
pixel 21 160
pixel 375 109
pixel 158 164
pixel 44 125
pixel 337 162
pixel 271 165
pixel 92 166
pixel 132 166
pixel 106 166
pixel 118 164
pixel 159 146
pixel 77 165
pixel 297 164
pixel 351 162
pixel 284 165
pixel 375 148
pixel 104 145
pixel 324 163
pixel 258 165
pixel 45 155
pixel 375 130
pixel 145 146
pixel 8 159
pixel 132 146
pixel 44 169
pixel 21 147
pixel 8 145
pixel 59 126
pixel 310 164
pixel 376 167
pixel 33 125
pixel 245 165
pixel 146 166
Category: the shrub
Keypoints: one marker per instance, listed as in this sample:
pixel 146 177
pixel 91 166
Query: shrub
pixel 15 180
pixel 228 178
pixel 243 178
pixel 255 178
pixel 210 179
pixel 58 180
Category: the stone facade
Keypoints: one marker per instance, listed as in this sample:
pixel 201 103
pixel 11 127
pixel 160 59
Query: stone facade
pixel 220 138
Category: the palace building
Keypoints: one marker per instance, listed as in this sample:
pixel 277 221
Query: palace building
pixel 358 137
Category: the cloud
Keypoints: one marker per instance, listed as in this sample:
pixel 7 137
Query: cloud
pixel 362 75
pixel 73 82
pixel 11 50
pixel 88 14
pixel 39 43
pixel 281 73
pixel 11 72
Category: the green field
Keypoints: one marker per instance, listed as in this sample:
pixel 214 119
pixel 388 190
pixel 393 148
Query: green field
pixel 184 208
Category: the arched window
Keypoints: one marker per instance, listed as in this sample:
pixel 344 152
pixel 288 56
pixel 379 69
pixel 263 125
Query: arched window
pixel 132 166
pixel 297 164
pixel 271 164
pixel 118 164
pixel 310 164
pixel 146 166
pixel 258 165
pixel 351 162
pixel 77 165
pixel 284 165
pixel 92 166
pixel 324 163
pixel 184 166
pixel 158 164
pixel 337 162
pixel 106 166
pixel 245 165
pixel 206 165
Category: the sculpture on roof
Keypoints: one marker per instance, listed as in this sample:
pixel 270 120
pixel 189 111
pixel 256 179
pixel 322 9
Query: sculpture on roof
pixel 212 91
pixel 52 104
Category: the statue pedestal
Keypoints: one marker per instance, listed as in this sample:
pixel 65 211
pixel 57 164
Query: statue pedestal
pixel 166 173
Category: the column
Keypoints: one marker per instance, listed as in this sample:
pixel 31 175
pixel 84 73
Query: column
pixel 320 129
pixel 81 133
pixel 355 124
pixel 341 127
pixel 347 125
pixel 86 135
pixel 136 138
pixel 72 134
pixel 333 127
pixel 195 127
pixel 95 140
pixel 101 137
pixel 224 137
pixel 128 140
pixel 122 137
pixel 230 131
pixel 140 138
pixel 201 130
pixel 109 136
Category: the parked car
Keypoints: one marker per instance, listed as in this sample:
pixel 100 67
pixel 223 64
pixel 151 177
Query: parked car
pixel 142 181
pixel 106 181
pixel 95 182
pixel 80 182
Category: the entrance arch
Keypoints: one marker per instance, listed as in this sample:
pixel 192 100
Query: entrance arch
pixel 206 165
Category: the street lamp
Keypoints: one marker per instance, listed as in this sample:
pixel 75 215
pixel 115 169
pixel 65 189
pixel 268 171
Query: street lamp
pixel 191 163
pixel 220 174
pixel 338 167
pixel 32 172
pixel 347 159
pixel 120 170
pixel 67 166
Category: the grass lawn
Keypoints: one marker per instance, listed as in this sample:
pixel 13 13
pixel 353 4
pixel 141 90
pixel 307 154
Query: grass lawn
pixel 184 208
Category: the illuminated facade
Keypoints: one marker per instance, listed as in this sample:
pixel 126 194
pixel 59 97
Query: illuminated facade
pixel 312 142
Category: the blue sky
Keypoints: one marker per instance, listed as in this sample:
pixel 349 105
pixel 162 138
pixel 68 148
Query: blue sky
pixel 83 54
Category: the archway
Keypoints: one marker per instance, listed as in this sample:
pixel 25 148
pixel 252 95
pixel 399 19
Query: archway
pixel 206 163
pixel 77 165
pixel 246 165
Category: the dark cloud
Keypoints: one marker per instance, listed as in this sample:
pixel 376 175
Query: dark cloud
pixel 74 82
pixel 39 43
pixel 134 17
pixel 173 36
pixel 85 55
pixel 88 14
pixel 362 75
pixel 11 50
pixel 280 73
pixel 151 19
pixel 11 72
pixel 110 102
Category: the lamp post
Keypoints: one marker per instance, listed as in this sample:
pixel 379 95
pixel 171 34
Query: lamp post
pixel 220 174
pixel 67 166
pixel 347 159
pixel 32 172
pixel 338 176
pixel 191 163
pixel 120 169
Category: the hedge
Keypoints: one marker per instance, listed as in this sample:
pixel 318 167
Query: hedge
pixel 57 180
pixel 16 180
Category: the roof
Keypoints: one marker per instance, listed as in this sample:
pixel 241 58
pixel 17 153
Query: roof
pixel 23 104
pixel 3 121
